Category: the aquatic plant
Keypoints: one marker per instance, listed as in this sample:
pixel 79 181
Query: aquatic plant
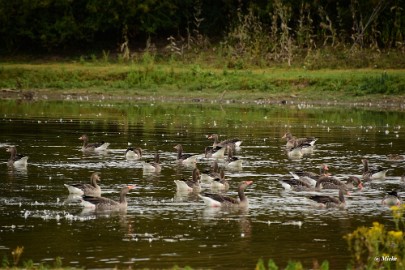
pixel 378 247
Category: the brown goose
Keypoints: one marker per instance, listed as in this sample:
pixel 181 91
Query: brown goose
pixel 16 160
pixel 311 176
pixel 209 176
pixel 233 162
pixel 328 182
pixel 103 204
pixel 102 146
pixel 220 183
pixel 214 152
pixel 133 153
pixel 372 174
pixel 353 182
pixel 234 143
pixel 189 185
pixel 218 200
pixel 184 158
pixel 295 184
pixel 91 189
pixel 330 202
pixel 292 141
pixel 152 166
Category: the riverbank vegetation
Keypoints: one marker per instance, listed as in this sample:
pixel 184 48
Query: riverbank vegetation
pixel 196 48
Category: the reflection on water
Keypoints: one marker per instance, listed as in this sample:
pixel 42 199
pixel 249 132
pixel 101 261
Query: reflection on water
pixel 161 227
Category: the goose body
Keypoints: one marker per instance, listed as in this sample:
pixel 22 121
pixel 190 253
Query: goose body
pixel 218 200
pixel 133 153
pixel 92 189
pixel 106 204
pixel 152 166
pixel 209 176
pixel 372 174
pixel 294 184
pixel 310 177
pixel 185 158
pixel 294 142
pixel 16 160
pixel 214 152
pixel 189 185
pixel 220 183
pixel 102 146
pixel 234 143
pixel 328 182
pixel 295 152
pixel 391 198
pixel 233 162
pixel 328 201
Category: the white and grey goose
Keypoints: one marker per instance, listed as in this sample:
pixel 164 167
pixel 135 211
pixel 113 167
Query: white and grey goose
pixel 16 160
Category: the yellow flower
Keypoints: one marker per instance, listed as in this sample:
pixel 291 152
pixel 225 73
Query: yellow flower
pixel 396 234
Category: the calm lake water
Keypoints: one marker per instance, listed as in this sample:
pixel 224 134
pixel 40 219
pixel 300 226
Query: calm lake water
pixel 161 228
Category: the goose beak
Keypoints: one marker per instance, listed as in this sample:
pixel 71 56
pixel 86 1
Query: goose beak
pixel 131 186
pixel 248 182
pixel 360 186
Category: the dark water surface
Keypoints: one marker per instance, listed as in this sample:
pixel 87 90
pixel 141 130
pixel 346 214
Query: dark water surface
pixel 161 228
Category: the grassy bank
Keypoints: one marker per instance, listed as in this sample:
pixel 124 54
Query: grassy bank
pixel 178 80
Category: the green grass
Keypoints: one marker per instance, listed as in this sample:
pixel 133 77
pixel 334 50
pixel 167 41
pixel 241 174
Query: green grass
pixel 174 79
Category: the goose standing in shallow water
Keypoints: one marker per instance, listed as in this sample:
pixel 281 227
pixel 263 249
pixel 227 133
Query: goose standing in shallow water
pixel 330 202
pixel 218 200
pixel 106 204
pixel 133 153
pixel 392 198
pixel 372 174
pixel 92 189
pixel 93 146
pixel 189 185
pixel 16 160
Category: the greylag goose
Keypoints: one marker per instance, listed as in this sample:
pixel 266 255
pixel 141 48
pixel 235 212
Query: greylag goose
pixel 152 166
pixel 392 198
pixel 295 184
pixel 294 142
pixel 133 153
pixel 102 146
pixel 192 185
pixel 329 182
pixel 372 174
pixel 234 143
pixel 105 204
pixel 218 200
pixel 209 176
pixel 233 162
pixel 353 182
pixel 220 183
pixel 214 152
pixel 329 202
pixel 184 158
pixel 311 177
pixel 92 189
pixel 295 152
pixel 16 160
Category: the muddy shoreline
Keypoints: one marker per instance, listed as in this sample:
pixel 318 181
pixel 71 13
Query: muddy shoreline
pixel 392 103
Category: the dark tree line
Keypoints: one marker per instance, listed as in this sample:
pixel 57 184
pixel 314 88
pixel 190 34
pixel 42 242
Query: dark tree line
pixel 273 26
